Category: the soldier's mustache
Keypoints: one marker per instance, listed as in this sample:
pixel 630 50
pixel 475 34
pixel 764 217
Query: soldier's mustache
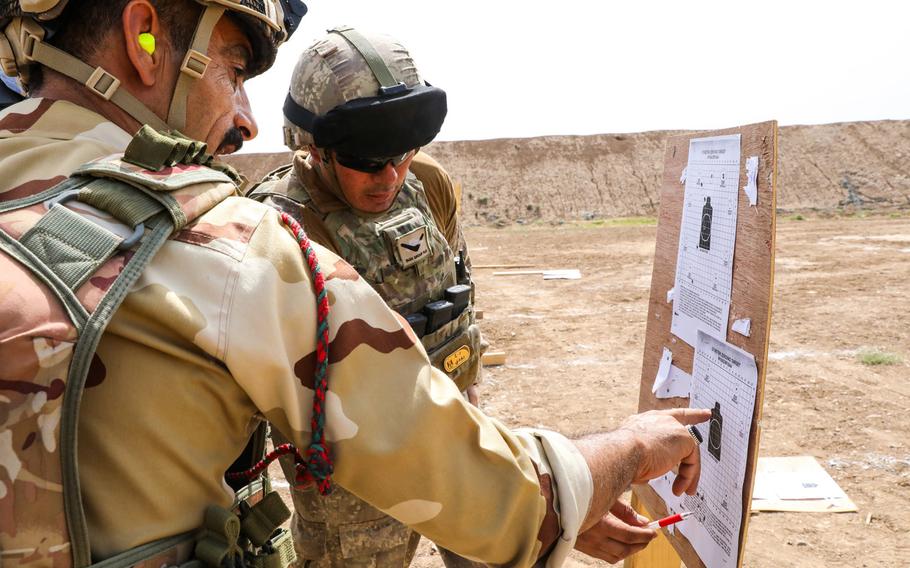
pixel 232 142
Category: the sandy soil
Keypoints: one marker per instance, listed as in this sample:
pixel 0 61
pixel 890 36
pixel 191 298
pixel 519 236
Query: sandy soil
pixel 575 348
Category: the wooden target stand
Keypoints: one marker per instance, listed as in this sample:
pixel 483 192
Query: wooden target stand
pixel 753 277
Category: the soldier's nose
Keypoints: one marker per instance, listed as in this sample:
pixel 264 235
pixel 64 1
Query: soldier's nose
pixel 243 119
pixel 388 174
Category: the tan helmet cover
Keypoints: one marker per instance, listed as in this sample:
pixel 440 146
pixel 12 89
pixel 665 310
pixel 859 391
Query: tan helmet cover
pixel 20 21
pixel 267 17
pixel 41 9
pixel 13 14
pixel 332 72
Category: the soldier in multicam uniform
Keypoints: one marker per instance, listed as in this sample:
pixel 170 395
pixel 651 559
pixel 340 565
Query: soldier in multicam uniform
pixel 9 91
pixel 393 217
pixel 218 330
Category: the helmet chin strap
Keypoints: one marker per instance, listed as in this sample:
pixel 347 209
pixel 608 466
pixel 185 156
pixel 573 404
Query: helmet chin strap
pixel 325 171
pixel 106 86
pixel 388 85
pixel 194 65
pixel 97 80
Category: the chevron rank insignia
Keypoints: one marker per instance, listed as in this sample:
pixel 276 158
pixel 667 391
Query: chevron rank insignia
pixel 412 247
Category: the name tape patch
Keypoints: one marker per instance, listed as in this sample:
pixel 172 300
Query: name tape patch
pixel 412 247
pixel 458 358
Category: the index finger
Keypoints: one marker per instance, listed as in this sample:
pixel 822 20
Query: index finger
pixel 688 416
pixel 617 529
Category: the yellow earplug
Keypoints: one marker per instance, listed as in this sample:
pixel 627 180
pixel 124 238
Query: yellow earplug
pixel 147 42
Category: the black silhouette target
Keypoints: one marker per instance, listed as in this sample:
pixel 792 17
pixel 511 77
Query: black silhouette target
pixel 707 217
pixel 715 432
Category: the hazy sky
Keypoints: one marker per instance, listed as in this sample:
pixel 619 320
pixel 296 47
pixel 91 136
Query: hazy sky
pixel 516 69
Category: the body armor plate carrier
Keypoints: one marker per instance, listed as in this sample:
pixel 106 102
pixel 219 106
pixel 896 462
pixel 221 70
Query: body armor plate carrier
pixel 54 317
pixel 405 257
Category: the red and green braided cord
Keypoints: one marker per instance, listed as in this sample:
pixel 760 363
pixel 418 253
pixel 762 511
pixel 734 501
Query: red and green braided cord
pixel 318 461
pixel 316 466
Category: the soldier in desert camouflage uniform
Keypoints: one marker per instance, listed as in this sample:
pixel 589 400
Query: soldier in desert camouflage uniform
pixel 395 220
pixel 218 332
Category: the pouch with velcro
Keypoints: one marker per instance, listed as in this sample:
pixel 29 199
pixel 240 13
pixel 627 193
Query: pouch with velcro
pixel 455 348
pixel 309 538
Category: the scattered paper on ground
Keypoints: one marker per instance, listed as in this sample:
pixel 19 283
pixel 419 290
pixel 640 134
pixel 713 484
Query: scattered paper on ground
pixel 797 484
pixel 560 274
pixel 570 274
pixel 501 266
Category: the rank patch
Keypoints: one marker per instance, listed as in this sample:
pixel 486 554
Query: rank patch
pixel 412 247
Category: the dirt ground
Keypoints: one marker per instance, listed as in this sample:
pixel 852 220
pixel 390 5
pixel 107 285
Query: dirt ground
pixel 575 348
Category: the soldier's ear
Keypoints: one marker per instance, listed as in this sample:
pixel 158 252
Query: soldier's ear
pixel 140 17
pixel 320 155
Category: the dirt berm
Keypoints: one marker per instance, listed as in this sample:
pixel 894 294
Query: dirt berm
pixel 831 167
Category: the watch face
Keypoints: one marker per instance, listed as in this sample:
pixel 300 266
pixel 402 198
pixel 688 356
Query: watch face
pixel 715 431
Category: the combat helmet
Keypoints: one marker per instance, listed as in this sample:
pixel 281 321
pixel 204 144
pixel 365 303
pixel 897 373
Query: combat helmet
pixel 360 94
pixel 27 24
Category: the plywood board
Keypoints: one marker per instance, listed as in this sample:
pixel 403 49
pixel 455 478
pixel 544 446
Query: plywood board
pixel 752 284
pixel 658 554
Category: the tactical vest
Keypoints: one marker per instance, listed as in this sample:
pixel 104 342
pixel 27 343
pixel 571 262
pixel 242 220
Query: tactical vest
pixel 405 257
pixel 53 319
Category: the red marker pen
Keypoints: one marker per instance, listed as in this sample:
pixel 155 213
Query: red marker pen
pixel 671 520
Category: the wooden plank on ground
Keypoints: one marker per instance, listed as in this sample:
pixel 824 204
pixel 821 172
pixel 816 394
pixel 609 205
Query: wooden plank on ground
pixel 493 358
pixel 503 266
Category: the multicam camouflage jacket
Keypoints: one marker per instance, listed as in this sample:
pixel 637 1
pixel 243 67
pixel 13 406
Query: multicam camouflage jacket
pixel 402 252
pixel 217 334
pixel 406 254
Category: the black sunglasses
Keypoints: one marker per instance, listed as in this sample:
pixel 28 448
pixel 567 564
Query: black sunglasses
pixel 371 165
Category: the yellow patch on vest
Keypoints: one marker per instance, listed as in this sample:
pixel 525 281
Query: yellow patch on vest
pixel 457 358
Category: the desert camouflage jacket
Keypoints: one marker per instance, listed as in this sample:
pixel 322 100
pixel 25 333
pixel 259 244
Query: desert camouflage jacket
pixel 218 334
pixel 381 248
